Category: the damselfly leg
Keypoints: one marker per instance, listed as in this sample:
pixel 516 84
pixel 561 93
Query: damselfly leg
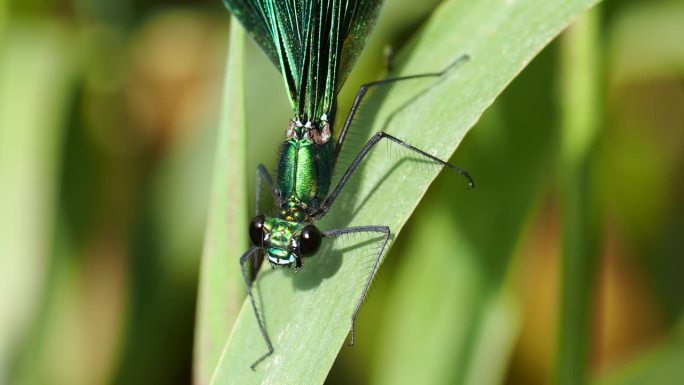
pixel 385 231
pixel 247 276
pixel 363 92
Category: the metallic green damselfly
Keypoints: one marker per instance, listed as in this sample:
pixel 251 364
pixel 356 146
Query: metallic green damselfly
pixel 314 43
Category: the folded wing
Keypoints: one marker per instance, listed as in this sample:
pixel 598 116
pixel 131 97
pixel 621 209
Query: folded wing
pixel 314 43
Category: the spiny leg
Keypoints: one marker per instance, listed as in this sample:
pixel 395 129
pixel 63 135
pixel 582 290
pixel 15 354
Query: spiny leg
pixel 363 229
pixel 248 282
pixel 330 200
pixel 363 90
pixel 262 174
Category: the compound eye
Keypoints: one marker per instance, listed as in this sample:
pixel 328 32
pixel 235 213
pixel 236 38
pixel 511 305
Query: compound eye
pixel 256 230
pixel 310 240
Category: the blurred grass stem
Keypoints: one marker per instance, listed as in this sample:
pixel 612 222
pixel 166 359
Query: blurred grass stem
pixel 580 105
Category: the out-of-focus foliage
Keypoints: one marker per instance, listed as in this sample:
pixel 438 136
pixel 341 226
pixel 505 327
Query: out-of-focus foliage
pixel 108 116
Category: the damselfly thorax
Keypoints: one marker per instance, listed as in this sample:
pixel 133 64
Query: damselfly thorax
pixel 305 168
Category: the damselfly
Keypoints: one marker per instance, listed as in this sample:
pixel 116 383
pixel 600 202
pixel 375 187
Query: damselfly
pixel 314 43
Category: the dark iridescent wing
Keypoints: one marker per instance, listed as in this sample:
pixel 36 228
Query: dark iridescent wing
pixel 314 43
pixel 359 26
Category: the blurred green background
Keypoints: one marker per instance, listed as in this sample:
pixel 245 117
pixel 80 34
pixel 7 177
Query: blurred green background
pixel 108 116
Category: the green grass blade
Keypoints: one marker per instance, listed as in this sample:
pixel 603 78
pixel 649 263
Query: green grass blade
pixel 221 288
pixel 307 315
pixel 581 122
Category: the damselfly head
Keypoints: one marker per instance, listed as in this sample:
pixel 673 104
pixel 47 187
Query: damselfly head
pixel 285 242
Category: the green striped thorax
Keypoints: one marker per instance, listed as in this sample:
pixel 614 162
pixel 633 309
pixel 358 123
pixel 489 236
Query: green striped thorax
pixel 305 167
